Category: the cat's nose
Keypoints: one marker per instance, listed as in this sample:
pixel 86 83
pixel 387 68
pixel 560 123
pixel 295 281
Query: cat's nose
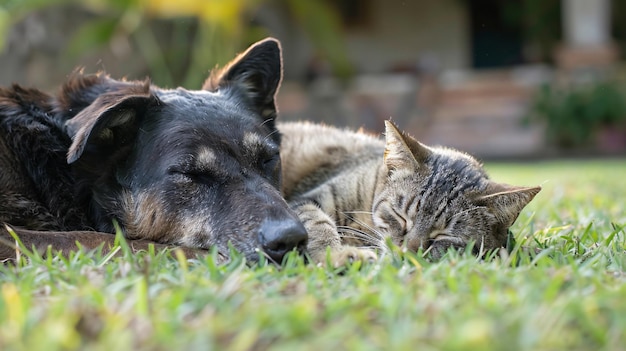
pixel 277 237
pixel 414 244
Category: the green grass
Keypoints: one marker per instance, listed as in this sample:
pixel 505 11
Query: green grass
pixel 570 295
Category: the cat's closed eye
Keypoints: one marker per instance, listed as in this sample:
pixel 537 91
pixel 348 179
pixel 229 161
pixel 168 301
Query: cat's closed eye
pixel 391 219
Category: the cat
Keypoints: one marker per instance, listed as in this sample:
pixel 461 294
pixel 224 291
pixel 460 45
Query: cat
pixel 354 191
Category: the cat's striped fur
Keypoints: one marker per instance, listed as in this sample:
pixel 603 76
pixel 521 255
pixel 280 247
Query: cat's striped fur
pixel 352 191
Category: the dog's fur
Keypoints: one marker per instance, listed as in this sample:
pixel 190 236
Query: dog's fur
pixel 190 168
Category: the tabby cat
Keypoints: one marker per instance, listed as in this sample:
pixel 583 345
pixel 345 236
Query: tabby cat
pixel 352 191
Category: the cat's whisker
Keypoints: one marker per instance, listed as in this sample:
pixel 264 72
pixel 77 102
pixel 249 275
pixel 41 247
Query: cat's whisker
pixel 352 233
pixel 372 230
pixel 380 250
pixel 362 239
pixel 374 238
pixel 355 233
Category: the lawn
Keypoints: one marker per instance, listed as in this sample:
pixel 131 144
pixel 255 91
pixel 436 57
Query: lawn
pixel 563 286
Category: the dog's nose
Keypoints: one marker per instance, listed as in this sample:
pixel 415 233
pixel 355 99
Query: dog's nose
pixel 277 237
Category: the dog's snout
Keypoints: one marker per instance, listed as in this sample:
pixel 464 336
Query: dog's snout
pixel 277 237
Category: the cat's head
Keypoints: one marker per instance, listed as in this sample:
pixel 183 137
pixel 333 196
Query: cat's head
pixel 436 198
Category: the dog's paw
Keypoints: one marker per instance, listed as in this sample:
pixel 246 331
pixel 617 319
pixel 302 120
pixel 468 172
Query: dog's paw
pixel 344 255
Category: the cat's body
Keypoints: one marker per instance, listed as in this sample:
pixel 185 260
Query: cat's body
pixel 352 189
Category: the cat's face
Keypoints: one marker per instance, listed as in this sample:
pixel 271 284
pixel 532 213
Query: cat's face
pixel 433 199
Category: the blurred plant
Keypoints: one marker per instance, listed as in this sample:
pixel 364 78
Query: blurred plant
pixel 574 115
pixel 180 38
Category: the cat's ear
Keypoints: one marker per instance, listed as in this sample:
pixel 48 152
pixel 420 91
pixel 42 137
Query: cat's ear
pixel 256 73
pixel 402 150
pixel 506 201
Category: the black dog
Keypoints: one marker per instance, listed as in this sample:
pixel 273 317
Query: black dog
pixel 190 168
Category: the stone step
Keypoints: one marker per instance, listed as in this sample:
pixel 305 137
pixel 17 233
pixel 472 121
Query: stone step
pixel 498 138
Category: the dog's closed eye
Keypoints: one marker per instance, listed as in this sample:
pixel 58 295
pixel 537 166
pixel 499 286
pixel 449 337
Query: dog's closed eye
pixel 196 176
pixel 270 163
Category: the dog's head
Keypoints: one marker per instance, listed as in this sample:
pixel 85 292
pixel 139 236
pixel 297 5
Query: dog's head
pixel 193 168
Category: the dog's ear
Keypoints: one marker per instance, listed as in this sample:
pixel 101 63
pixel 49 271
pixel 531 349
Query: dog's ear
pixel 111 121
pixel 257 73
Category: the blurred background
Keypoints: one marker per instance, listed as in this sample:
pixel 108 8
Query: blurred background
pixel 499 79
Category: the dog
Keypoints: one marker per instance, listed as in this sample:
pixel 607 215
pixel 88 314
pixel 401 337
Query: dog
pixel 196 169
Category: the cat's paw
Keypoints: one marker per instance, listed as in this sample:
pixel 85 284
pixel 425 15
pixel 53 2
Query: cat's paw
pixel 342 256
pixel 348 255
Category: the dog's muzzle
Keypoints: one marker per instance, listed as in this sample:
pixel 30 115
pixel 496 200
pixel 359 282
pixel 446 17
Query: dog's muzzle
pixel 277 237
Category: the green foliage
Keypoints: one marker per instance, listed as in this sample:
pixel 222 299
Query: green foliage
pixel 573 115
pixel 180 40
pixel 562 286
pixel 322 24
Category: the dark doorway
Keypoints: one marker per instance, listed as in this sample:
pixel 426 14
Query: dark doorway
pixel 497 32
